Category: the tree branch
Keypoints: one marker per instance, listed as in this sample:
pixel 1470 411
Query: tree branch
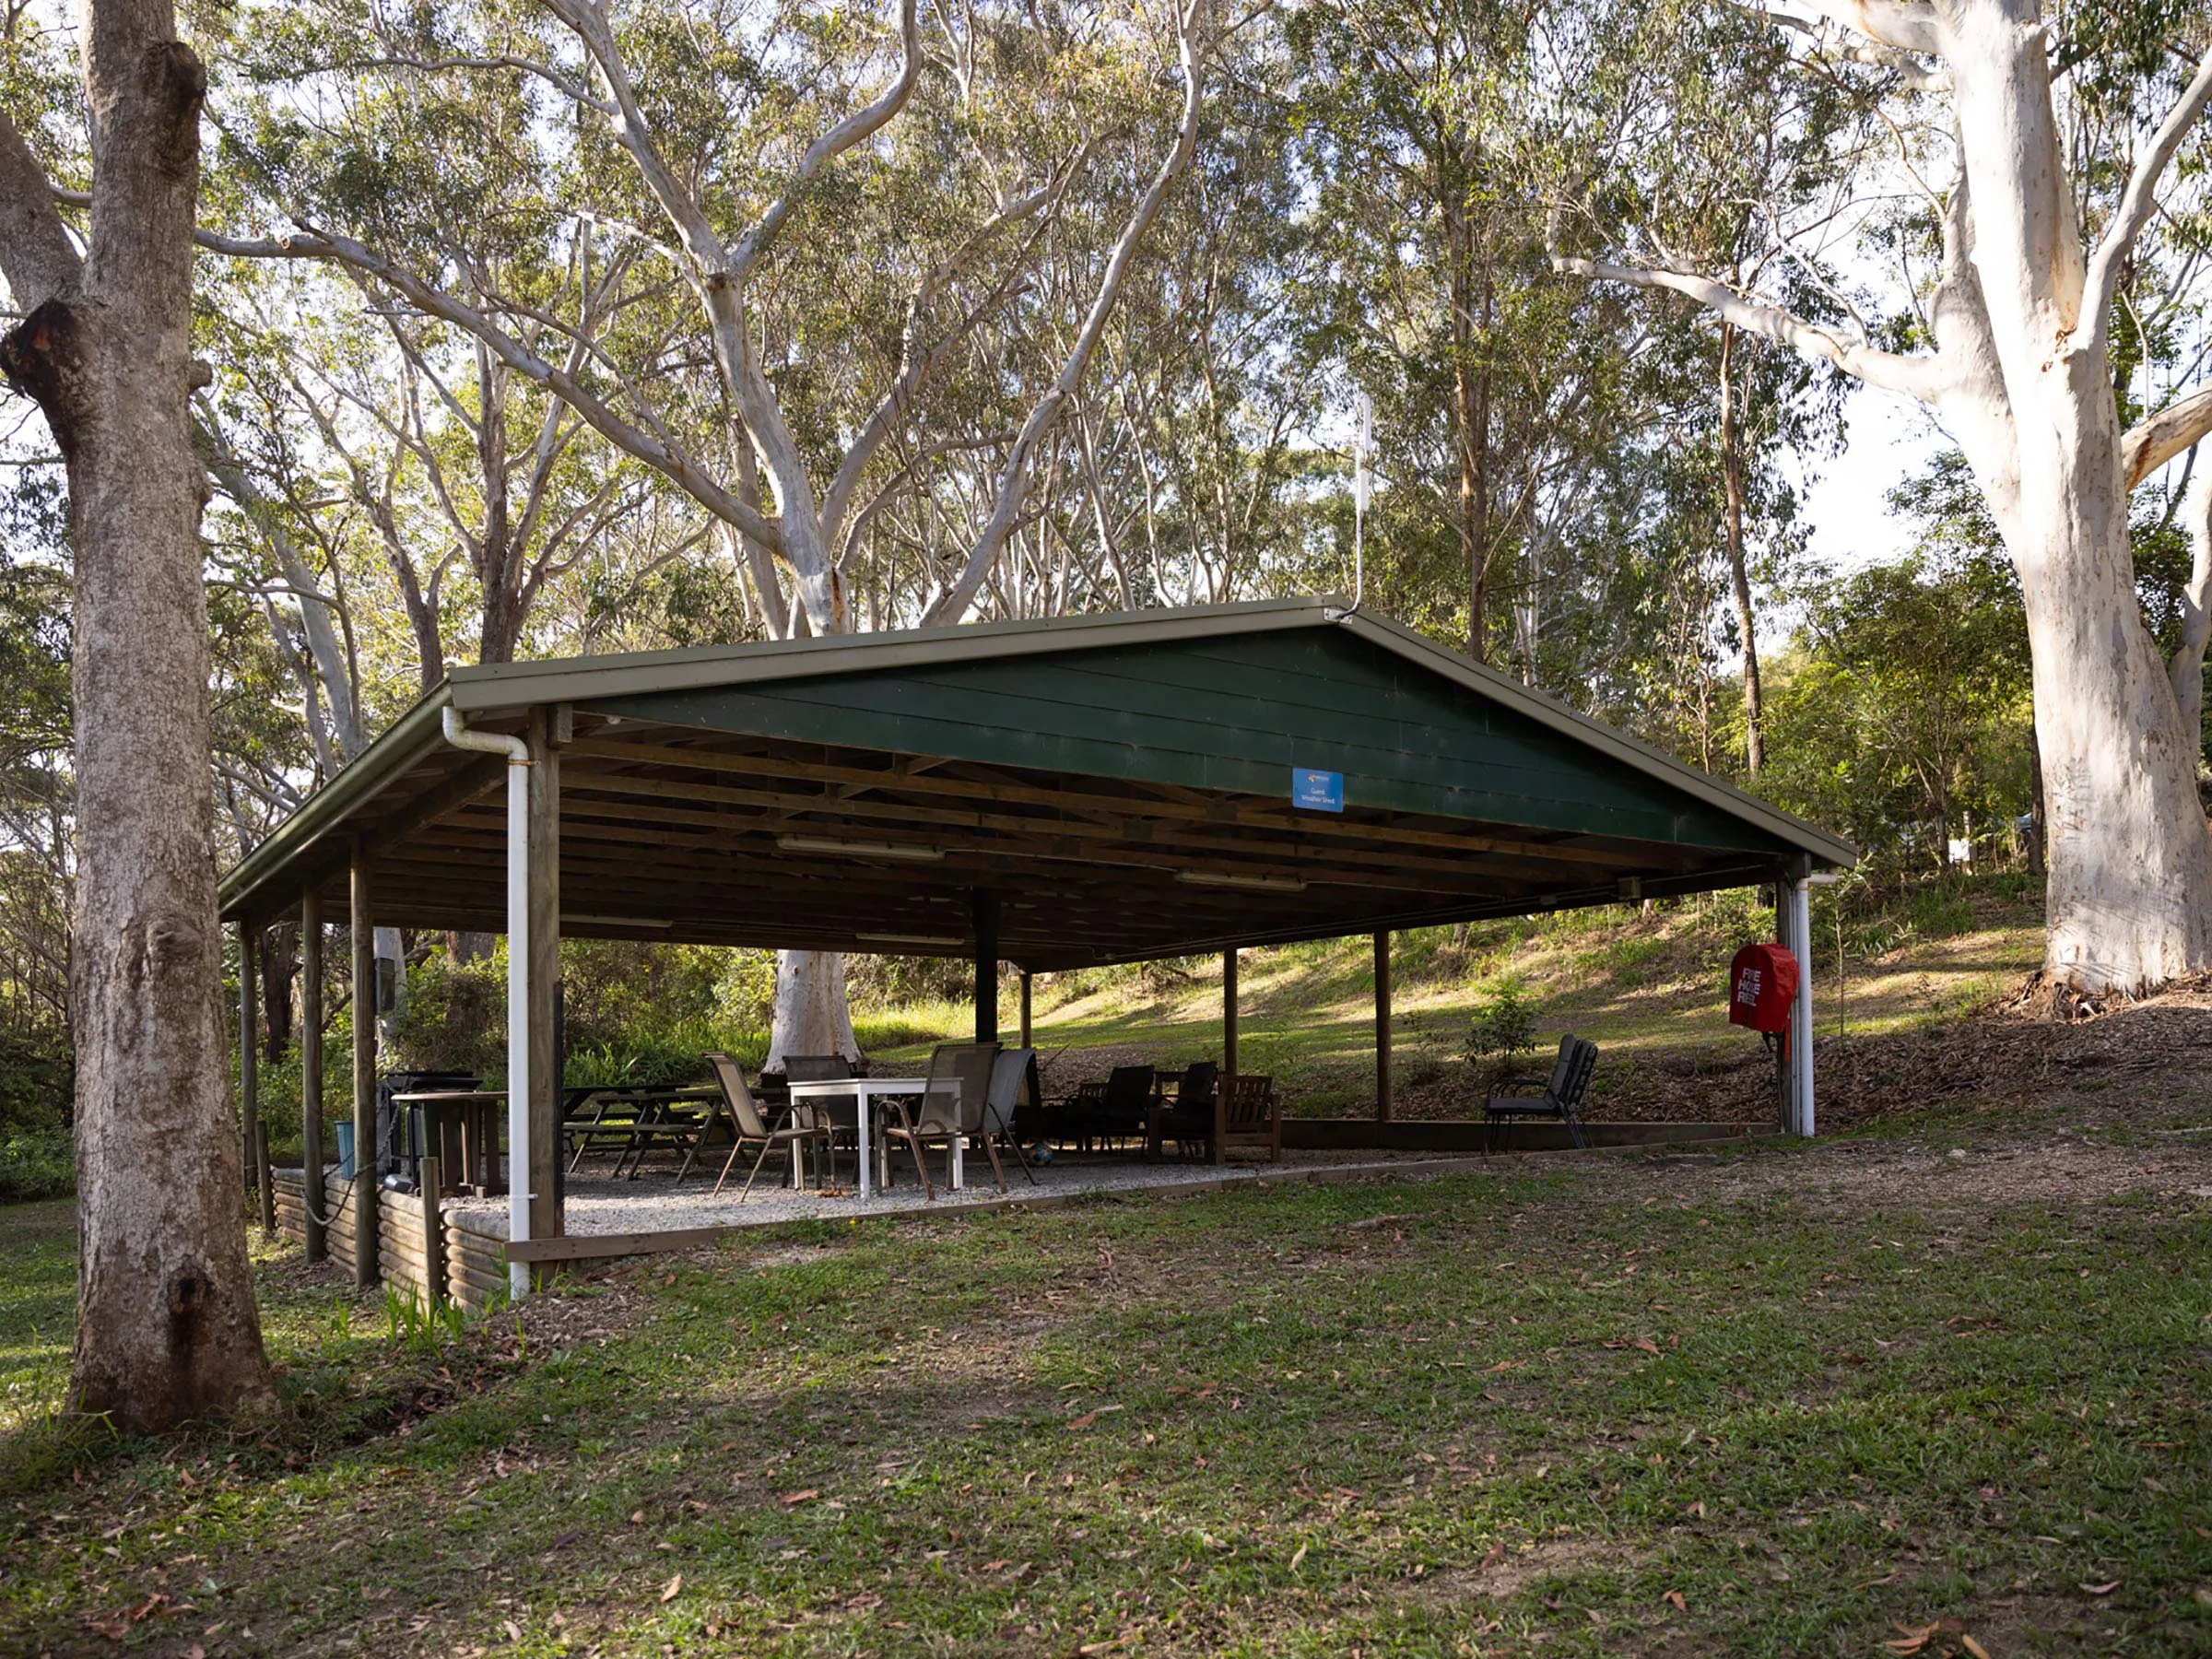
pixel 1829 38
pixel 36 254
pixel 2137 203
pixel 918 363
pixel 852 130
pixel 1905 25
pixel 1013 487
pixel 2158 439
pixel 588 19
pixel 1919 377
pixel 670 462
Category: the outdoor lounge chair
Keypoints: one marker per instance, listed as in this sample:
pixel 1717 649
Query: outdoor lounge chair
pixel 952 1109
pixel 1189 1121
pixel 1560 1097
pixel 749 1127
pixel 1120 1111
pixel 1251 1115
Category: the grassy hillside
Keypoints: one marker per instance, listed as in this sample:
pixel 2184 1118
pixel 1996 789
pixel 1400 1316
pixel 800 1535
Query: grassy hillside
pixel 1647 987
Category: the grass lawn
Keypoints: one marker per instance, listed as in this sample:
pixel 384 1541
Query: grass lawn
pixel 1783 1403
pixel 1648 989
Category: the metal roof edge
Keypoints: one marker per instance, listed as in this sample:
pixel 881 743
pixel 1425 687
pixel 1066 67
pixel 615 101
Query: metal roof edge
pixel 581 679
pixel 1404 642
pixel 391 752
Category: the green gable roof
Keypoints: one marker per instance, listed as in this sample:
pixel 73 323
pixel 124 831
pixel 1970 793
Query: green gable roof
pixel 1114 741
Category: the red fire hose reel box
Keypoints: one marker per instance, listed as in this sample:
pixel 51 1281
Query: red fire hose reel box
pixel 1762 983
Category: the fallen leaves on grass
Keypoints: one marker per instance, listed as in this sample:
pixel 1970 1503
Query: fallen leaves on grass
pixel 1123 1639
pixel 2104 1589
pixel 1298 1556
pixel 1371 1223
pixel 1674 1598
pixel 670 1590
pixel 1088 1418
pixel 804 1493
pixel 1912 1639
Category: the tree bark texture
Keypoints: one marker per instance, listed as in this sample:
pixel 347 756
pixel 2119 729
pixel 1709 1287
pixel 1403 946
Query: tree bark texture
pixel 812 1017
pixel 166 1327
pixel 1471 411
pixel 1731 502
pixel 2129 859
pixel 279 957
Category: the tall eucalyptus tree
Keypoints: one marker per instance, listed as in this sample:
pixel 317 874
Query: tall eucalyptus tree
pixel 166 1327
pixel 2054 155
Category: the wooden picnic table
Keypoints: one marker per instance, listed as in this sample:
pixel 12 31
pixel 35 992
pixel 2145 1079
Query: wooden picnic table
pixel 633 1120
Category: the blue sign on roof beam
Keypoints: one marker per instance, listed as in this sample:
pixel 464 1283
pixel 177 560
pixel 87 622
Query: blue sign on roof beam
pixel 1317 791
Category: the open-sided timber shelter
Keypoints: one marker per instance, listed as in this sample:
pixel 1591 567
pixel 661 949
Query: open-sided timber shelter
pixel 1054 795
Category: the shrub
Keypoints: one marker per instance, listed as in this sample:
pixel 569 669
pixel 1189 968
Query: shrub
pixel 744 991
pixel 654 1059
pixel 36 1164
pixel 893 982
pixel 1503 1028
pixel 455 1018
pixel 35 1080
pixel 615 989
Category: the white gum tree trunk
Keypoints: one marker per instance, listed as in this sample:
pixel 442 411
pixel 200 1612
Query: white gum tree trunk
pixel 812 1014
pixel 2022 375
pixel 167 1328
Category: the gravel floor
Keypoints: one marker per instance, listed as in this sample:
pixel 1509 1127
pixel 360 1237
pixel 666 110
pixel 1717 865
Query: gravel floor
pixel 653 1203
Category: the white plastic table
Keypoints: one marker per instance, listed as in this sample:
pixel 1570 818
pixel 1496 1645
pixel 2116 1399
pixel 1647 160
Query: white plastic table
pixel 867 1091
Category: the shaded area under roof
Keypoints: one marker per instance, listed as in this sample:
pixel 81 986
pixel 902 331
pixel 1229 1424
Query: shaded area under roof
pixel 1120 785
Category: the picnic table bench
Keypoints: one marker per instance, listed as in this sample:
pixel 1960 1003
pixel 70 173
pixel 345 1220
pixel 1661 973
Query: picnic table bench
pixel 632 1121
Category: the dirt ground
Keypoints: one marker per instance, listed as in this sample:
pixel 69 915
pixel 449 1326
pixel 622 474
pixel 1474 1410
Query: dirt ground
pixel 2137 1063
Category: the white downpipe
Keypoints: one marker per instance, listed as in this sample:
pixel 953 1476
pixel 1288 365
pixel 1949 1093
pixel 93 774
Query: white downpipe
pixel 518 978
pixel 1801 1008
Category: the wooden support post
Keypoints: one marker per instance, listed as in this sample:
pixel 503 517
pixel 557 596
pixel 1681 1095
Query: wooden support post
pixel 249 1060
pixel 986 964
pixel 540 1166
pixel 1225 1086
pixel 1229 1012
pixel 1382 1101
pixel 433 1231
pixel 1025 1009
pixel 311 1070
pixel 367 1269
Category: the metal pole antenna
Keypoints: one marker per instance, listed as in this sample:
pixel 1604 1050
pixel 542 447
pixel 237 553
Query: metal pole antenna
pixel 1361 485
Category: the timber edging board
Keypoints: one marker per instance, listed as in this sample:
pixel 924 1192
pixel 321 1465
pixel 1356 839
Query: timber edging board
pixel 478 1252
pixel 1461 1134
pixel 581 1250
pixel 475 1256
